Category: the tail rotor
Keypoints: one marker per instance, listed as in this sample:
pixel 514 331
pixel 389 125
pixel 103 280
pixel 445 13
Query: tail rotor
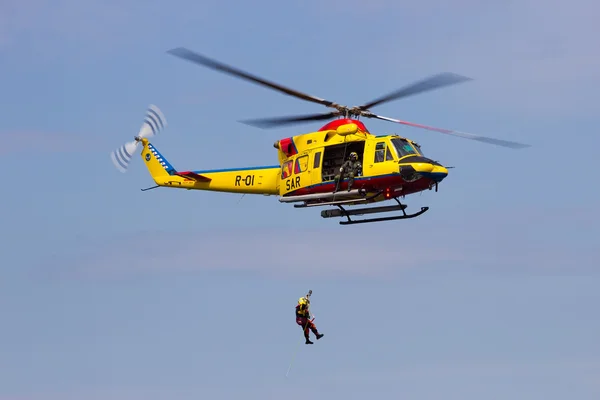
pixel 154 122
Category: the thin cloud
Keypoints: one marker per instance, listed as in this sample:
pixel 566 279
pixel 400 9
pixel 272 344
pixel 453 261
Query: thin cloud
pixel 47 20
pixel 285 253
pixel 501 244
pixel 531 55
pixel 52 28
pixel 465 371
pixel 27 141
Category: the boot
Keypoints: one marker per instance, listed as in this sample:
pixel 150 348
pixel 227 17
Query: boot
pixel 319 336
pixel 308 341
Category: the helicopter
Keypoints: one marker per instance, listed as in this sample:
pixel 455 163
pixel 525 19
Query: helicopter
pixel 308 168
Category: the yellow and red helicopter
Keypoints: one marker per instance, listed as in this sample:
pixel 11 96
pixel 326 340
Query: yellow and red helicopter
pixel 392 166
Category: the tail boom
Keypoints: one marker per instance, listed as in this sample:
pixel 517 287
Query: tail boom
pixel 254 180
pixel 257 180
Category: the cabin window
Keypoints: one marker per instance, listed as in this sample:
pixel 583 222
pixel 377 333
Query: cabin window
pixel 379 151
pixel 382 153
pixel 286 169
pixel 301 164
pixel 388 154
pixel 317 162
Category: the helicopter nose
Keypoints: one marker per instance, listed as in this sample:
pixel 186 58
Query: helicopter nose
pixel 438 173
pixel 424 167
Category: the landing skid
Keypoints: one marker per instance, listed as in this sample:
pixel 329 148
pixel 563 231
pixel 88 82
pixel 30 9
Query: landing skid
pixel 342 212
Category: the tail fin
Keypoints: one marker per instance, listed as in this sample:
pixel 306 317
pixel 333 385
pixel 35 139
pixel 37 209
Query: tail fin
pixel 154 122
pixel 156 163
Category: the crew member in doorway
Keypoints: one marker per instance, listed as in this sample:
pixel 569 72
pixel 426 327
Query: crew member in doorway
pixel 303 319
pixel 350 169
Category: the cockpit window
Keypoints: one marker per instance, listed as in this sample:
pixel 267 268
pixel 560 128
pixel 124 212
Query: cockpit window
pixel 416 146
pixel 403 147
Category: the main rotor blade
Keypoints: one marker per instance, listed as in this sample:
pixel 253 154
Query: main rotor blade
pixel 207 62
pixel 431 83
pixel 279 121
pixel 498 142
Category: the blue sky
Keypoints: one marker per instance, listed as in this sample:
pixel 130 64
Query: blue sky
pixel 108 292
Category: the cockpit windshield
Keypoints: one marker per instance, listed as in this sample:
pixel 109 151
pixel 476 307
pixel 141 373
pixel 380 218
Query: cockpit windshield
pixel 403 147
pixel 418 147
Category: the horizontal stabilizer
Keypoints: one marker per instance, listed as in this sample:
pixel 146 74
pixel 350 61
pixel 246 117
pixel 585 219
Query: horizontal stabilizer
pixel 193 175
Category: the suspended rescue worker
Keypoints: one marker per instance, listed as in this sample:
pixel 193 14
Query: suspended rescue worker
pixel 351 168
pixel 303 319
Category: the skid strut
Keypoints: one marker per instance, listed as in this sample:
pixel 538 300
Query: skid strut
pixel 342 212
